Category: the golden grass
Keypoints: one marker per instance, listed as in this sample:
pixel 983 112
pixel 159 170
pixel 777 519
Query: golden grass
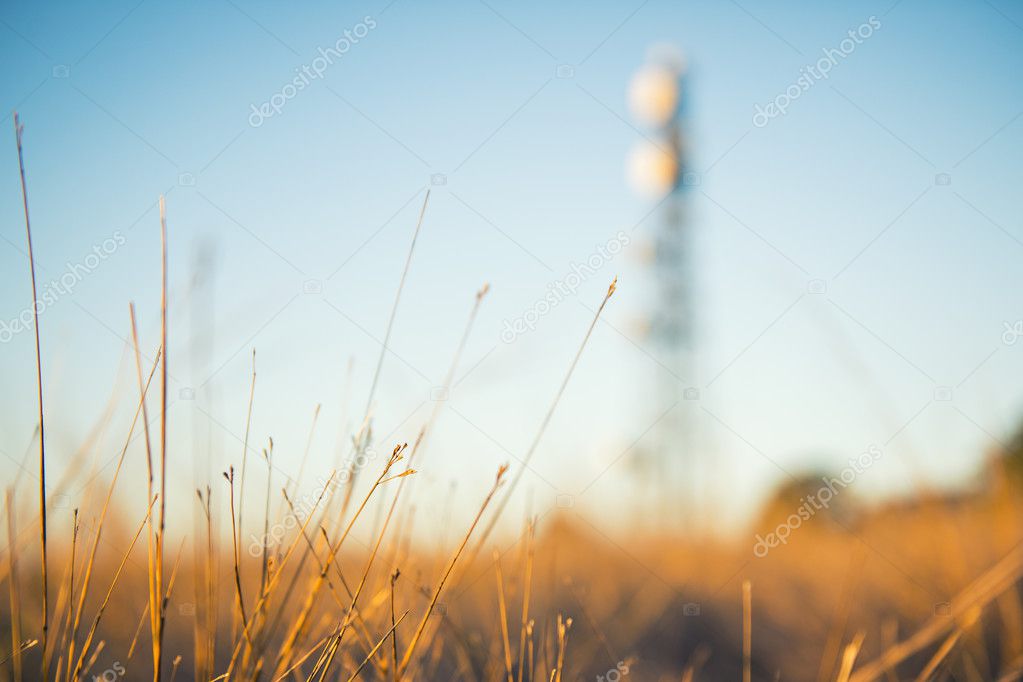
pixel 926 589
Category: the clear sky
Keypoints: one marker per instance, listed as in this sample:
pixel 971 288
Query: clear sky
pixel 856 258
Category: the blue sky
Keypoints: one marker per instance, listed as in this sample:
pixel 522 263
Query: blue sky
pixel 123 102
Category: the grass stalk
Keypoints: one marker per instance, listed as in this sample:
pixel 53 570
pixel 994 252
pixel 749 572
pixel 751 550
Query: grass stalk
pixel 503 613
pixel 18 132
pixel 161 539
pixel 543 428
pixel 410 650
pixel 106 600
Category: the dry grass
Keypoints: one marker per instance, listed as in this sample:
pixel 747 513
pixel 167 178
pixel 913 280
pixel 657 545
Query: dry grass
pixel 329 610
pixel 928 588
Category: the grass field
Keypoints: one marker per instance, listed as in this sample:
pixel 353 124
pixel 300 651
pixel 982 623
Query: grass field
pixel 927 587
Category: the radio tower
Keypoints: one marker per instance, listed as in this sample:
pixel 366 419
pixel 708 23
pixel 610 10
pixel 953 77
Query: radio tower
pixel 658 167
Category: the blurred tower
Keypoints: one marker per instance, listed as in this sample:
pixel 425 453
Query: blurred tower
pixel 658 168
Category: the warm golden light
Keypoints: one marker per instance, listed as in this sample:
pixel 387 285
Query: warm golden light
pixel 651 171
pixel 654 95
